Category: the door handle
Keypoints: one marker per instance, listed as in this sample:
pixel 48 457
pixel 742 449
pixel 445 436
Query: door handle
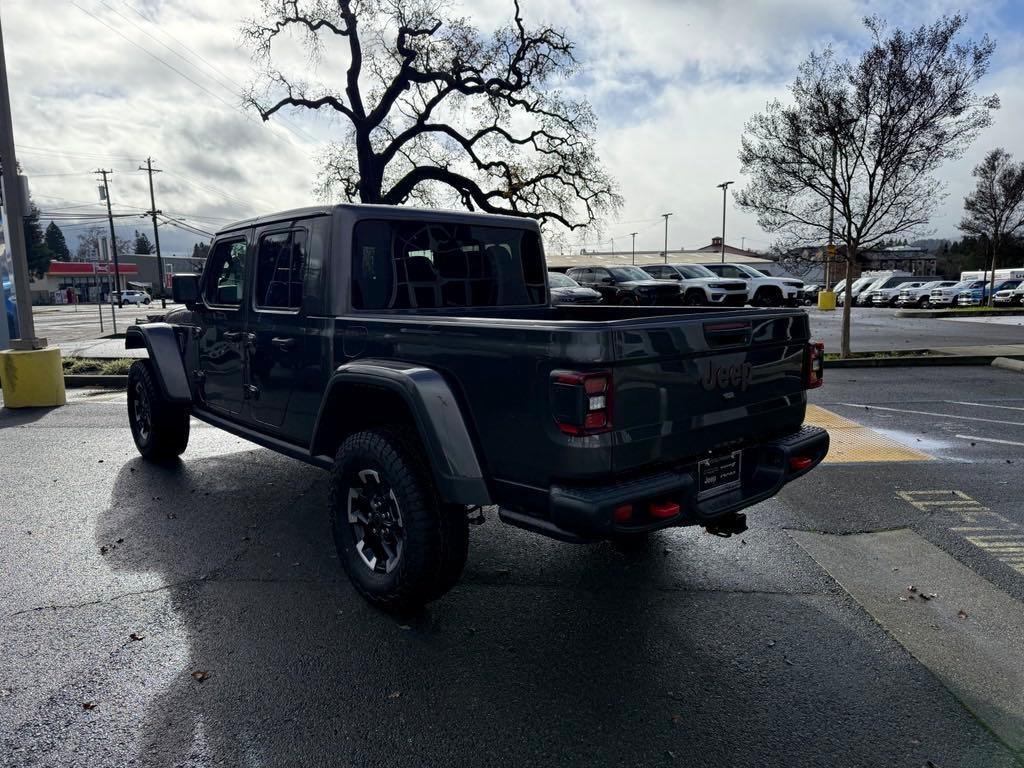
pixel 283 343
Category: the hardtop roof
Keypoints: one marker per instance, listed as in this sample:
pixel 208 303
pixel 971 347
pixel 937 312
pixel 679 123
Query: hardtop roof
pixel 366 211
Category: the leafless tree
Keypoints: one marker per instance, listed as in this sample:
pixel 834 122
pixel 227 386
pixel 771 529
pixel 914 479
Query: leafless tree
pixel 851 159
pixel 995 209
pixel 435 112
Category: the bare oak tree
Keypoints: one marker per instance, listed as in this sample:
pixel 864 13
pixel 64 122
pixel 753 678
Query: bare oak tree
pixel 851 159
pixel 995 209
pixel 435 112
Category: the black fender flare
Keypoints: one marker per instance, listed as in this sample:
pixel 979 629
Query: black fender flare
pixel 437 416
pixel 160 341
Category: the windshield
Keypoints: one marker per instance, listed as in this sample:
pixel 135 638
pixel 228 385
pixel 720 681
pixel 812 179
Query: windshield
pixel 694 271
pixel 628 273
pixel 1008 284
pixel 750 270
pixel 558 280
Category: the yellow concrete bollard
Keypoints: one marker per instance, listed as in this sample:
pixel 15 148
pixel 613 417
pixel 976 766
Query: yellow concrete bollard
pixel 826 300
pixel 32 378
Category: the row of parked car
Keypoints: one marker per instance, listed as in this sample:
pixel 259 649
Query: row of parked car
pixel 912 292
pixel 711 284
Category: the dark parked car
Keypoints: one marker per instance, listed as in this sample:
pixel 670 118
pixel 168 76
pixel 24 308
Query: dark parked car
pixel 415 355
pixel 627 286
pixel 565 290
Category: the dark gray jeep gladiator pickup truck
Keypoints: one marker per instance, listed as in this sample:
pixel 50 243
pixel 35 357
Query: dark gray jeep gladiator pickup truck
pixel 416 355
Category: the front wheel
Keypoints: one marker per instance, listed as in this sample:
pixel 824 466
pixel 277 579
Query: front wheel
pixel 694 298
pixel 400 545
pixel 160 428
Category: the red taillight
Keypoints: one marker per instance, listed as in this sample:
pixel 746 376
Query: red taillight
pixel 624 513
pixel 664 509
pixel 798 463
pixel 581 402
pixel 815 362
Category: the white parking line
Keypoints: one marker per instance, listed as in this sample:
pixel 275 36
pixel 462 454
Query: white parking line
pixel 932 413
pixel 986 405
pixel 989 440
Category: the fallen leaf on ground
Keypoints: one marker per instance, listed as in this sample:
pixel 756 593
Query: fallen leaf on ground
pixel 677 719
pixel 199 675
pixel 961 614
pixel 923 596
pixel 88 705
pixel 104 550
pixel 135 636
pixel 911 588
pixel 395 695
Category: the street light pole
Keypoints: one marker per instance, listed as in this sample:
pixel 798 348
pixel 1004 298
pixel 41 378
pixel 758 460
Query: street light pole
pixel 666 215
pixel 633 235
pixel 724 186
pixel 14 209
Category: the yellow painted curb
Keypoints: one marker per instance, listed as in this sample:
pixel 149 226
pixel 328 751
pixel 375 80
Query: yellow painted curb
pixel 32 378
pixel 852 442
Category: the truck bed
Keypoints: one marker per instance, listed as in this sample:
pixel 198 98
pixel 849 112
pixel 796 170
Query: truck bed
pixel 668 404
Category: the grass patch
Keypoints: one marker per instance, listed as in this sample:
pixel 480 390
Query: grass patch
pixel 97 366
pixel 988 310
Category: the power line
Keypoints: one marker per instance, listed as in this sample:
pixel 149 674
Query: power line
pixel 237 87
pixel 61 153
pixel 174 69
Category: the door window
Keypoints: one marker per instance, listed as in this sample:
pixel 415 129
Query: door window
pixel 602 276
pixel 280 270
pixel 226 269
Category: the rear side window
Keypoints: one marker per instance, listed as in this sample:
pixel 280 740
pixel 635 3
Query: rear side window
pixel 280 269
pixel 427 265
pixel 225 282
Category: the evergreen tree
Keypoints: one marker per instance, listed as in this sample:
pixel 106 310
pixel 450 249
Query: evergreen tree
pixel 142 244
pixel 56 243
pixel 38 253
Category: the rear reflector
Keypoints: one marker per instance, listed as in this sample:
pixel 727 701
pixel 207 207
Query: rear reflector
pixel 798 463
pixel 664 509
pixel 624 513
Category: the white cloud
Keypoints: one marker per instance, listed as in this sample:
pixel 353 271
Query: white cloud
pixel 673 81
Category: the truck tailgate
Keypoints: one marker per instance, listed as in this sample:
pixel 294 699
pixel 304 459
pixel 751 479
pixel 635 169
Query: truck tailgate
pixel 685 389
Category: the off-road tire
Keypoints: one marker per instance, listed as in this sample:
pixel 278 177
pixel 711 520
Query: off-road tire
pixel 436 535
pixel 160 428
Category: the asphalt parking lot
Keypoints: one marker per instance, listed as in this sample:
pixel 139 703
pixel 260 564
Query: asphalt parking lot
pixel 253 649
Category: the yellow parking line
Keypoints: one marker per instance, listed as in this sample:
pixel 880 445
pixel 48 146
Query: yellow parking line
pixel 852 442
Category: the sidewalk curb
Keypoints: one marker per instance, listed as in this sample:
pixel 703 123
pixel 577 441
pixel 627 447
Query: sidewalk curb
pixel 924 361
pixel 85 380
pixel 1009 364
pixel 928 313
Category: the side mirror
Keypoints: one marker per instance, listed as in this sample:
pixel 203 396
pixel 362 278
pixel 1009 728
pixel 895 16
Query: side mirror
pixel 605 281
pixel 185 289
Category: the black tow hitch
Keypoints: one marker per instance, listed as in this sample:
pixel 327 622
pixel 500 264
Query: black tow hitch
pixel 727 525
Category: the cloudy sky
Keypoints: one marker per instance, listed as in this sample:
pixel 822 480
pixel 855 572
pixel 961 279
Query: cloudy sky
pixel 107 83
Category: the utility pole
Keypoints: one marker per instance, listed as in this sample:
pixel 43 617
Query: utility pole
pixel 830 251
pixel 156 232
pixel 723 186
pixel 665 216
pixel 113 239
pixel 633 235
pixel 14 209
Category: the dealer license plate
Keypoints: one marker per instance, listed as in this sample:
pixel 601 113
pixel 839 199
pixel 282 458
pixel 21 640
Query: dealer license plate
pixel 718 475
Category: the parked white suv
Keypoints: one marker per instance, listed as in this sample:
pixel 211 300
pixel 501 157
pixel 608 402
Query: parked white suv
pixel 762 290
pixel 918 296
pixel 699 285
pixel 133 297
pixel 1009 297
pixel 885 293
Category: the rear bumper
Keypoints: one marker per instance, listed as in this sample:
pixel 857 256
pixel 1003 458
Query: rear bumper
pixel 586 513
